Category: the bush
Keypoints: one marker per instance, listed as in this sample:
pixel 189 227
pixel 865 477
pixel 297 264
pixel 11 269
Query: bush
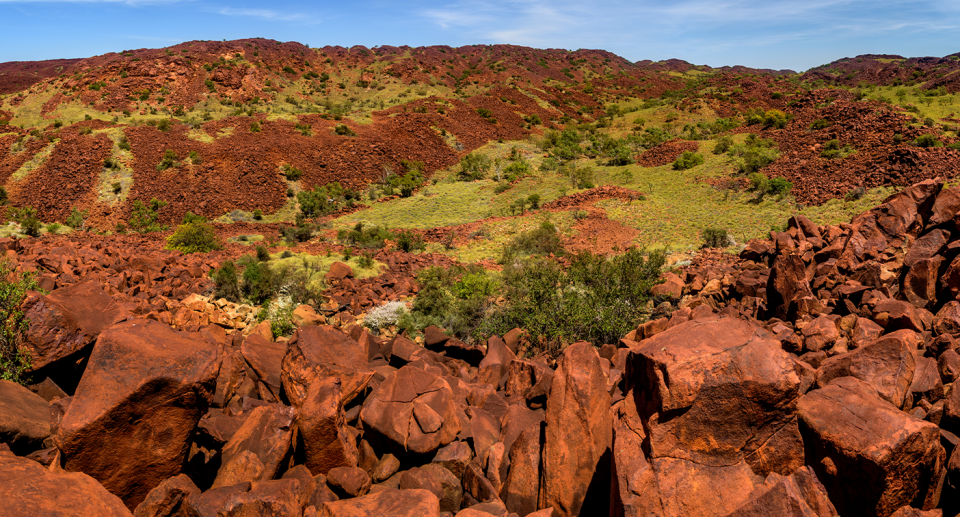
pixel 258 282
pixel 29 222
pixel 15 359
pixel 343 130
pixel 366 237
pixel 195 158
pixel 3 195
pixel 534 200
pixel 474 166
pixel 779 187
pixel 723 145
pixel 169 160
pixel 263 254
pixel 385 315
pixel 226 283
pixel 542 240
pixel 53 228
pixel 820 123
pixel 144 218
pixel 258 214
pixel 76 219
pixel 832 149
pixel 194 237
pixel 927 140
pixel 715 238
pixel 321 200
pixel 687 160
pixel 409 241
pixel 255 127
pixel 292 173
pixel 582 177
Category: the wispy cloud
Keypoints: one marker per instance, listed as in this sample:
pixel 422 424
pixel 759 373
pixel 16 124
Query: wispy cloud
pixel 127 2
pixel 265 14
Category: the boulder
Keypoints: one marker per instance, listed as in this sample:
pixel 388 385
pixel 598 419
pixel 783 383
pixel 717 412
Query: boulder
pixel 348 481
pixel 255 451
pixel 578 434
pixel 413 410
pixel 321 351
pixel 521 487
pixel 265 357
pixel 135 410
pixel 496 362
pixel 920 282
pixel 67 321
pixel 28 489
pixel 392 502
pixel 338 271
pixel 170 499
pixel 787 285
pixel 871 457
pixel 887 364
pixel 24 418
pixel 320 418
pixel 279 497
pixel 798 495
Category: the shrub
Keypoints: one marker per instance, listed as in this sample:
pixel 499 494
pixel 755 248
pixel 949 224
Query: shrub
pixel 302 232
pixel 855 194
pixel 194 237
pixel 124 144
pixel 365 261
pixel 226 283
pixel 76 219
pixel 3 195
pixel 262 254
pixel 474 166
pixel 385 315
pixel 292 173
pixel 254 127
pixel 687 160
pixel 53 228
pixel 258 282
pixel 409 241
pixel 144 218
pixel 29 222
pixel 820 123
pixel 581 177
pixel 343 130
pixel 779 187
pixel 927 140
pixel 542 240
pixel 163 125
pixel 116 187
pixel 169 160
pixel 534 200
pixel 723 145
pixel 832 149
pixel 15 359
pixel 195 158
pixel 321 200
pixel 258 214
pixel 715 238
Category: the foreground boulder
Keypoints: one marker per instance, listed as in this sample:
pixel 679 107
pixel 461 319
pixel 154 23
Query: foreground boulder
pixel 68 320
pixel 576 465
pixel 137 406
pixel 392 502
pixel 871 457
pixel 24 418
pixel 28 489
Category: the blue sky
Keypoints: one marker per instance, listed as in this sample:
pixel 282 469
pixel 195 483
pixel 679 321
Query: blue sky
pixel 795 34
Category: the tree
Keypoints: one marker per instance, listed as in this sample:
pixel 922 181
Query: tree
pixel 144 218
pixel 474 166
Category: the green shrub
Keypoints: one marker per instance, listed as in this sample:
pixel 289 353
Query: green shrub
pixel 832 149
pixel 53 228
pixel 754 154
pixel 116 187
pixel 258 282
pixel 226 283
pixel 76 219
pixel 534 200
pixel 723 145
pixel 365 261
pixel 927 140
pixel 258 214
pixel 542 240
pixel 322 200
pixel 144 218
pixel 364 236
pixel 292 173
pixel 779 186
pixel 194 237
pixel 582 177
pixel 687 160
pixel 820 123
pixel 302 232
pixel 262 254
pixel 474 166
pixel 124 144
pixel 169 160
pixel 715 238
pixel 409 241
pixel 343 130
pixel 195 158
pixel 15 359
pixel 254 127
pixel 29 222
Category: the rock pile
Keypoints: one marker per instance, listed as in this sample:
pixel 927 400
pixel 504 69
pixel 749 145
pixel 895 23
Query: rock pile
pixel 666 153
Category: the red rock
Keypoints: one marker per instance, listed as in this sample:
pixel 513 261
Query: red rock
pixel 887 364
pixel 392 502
pixel 920 282
pixel 897 315
pixel 305 315
pixel 948 318
pixel 787 285
pixel 320 418
pixel 521 487
pixel 418 478
pixel 820 334
pixel 265 357
pixel 926 383
pixel 871 457
pixel 24 418
pixel 948 364
pixel 321 351
pixel 671 286
pixel 141 396
pixel 308 484
pixel 169 499
pixel 798 495
pixel 389 410
pixel 274 498
pixel 348 481
pixel 578 434
pixel 338 271
pixel 256 450
pixel 67 321
pixel 496 362
pixel 529 379
pixel 28 489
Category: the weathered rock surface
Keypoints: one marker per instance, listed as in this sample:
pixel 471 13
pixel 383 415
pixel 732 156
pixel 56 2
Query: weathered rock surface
pixel 24 418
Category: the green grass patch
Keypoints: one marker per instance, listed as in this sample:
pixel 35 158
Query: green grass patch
pixel 319 266
pixel 443 204
pixel 37 161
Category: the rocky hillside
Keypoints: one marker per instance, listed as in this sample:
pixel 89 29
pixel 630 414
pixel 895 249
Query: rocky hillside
pixel 814 374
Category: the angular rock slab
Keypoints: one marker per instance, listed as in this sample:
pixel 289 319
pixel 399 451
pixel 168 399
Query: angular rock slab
pixel 718 391
pixel 24 418
pixel 68 320
pixel 255 451
pixel 414 410
pixel 320 418
pixel 578 434
pixel 320 351
pixel 136 407
pixel 871 457
pixel 392 502
pixel 887 364
pixel 27 489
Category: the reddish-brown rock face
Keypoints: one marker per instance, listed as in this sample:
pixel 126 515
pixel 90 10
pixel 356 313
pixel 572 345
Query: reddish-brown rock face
pixel 399 503
pixel 138 403
pixel 28 489
pixel 872 457
pixel 578 434
pixel 24 418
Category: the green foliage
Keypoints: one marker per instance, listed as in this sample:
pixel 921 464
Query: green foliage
pixel 545 239
pixel 820 123
pixel 29 222
pixel 53 228
pixel 534 200
pixel 124 144
pixel 474 166
pixel 762 185
pixel 262 254
pixel 780 186
pixel 144 217
pixel 210 86
pixel 832 149
pixel 769 119
pixel 343 130
pixel 292 173
pixel 258 282
pixel 927 140
pixel 76 218
pixel 715 238
pixel 255 127
pixel 257 215
pixel 194 237
pixel 687 160
pixel 226 282
pixel 169 160
pixel 323 200
pixel 580 177
pixel 364 236
pixel 724 143
pixel 15 359
pixel 195 158
pixel 409 241
pixel 754 154
pixel 302 232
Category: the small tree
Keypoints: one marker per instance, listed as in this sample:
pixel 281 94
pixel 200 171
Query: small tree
pixel 474 166
pixel 77 219
pixel 144 218
pixel 195 236
pixel 687 160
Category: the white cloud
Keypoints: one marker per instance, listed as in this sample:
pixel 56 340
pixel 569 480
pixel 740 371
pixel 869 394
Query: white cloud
pixel 264 14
